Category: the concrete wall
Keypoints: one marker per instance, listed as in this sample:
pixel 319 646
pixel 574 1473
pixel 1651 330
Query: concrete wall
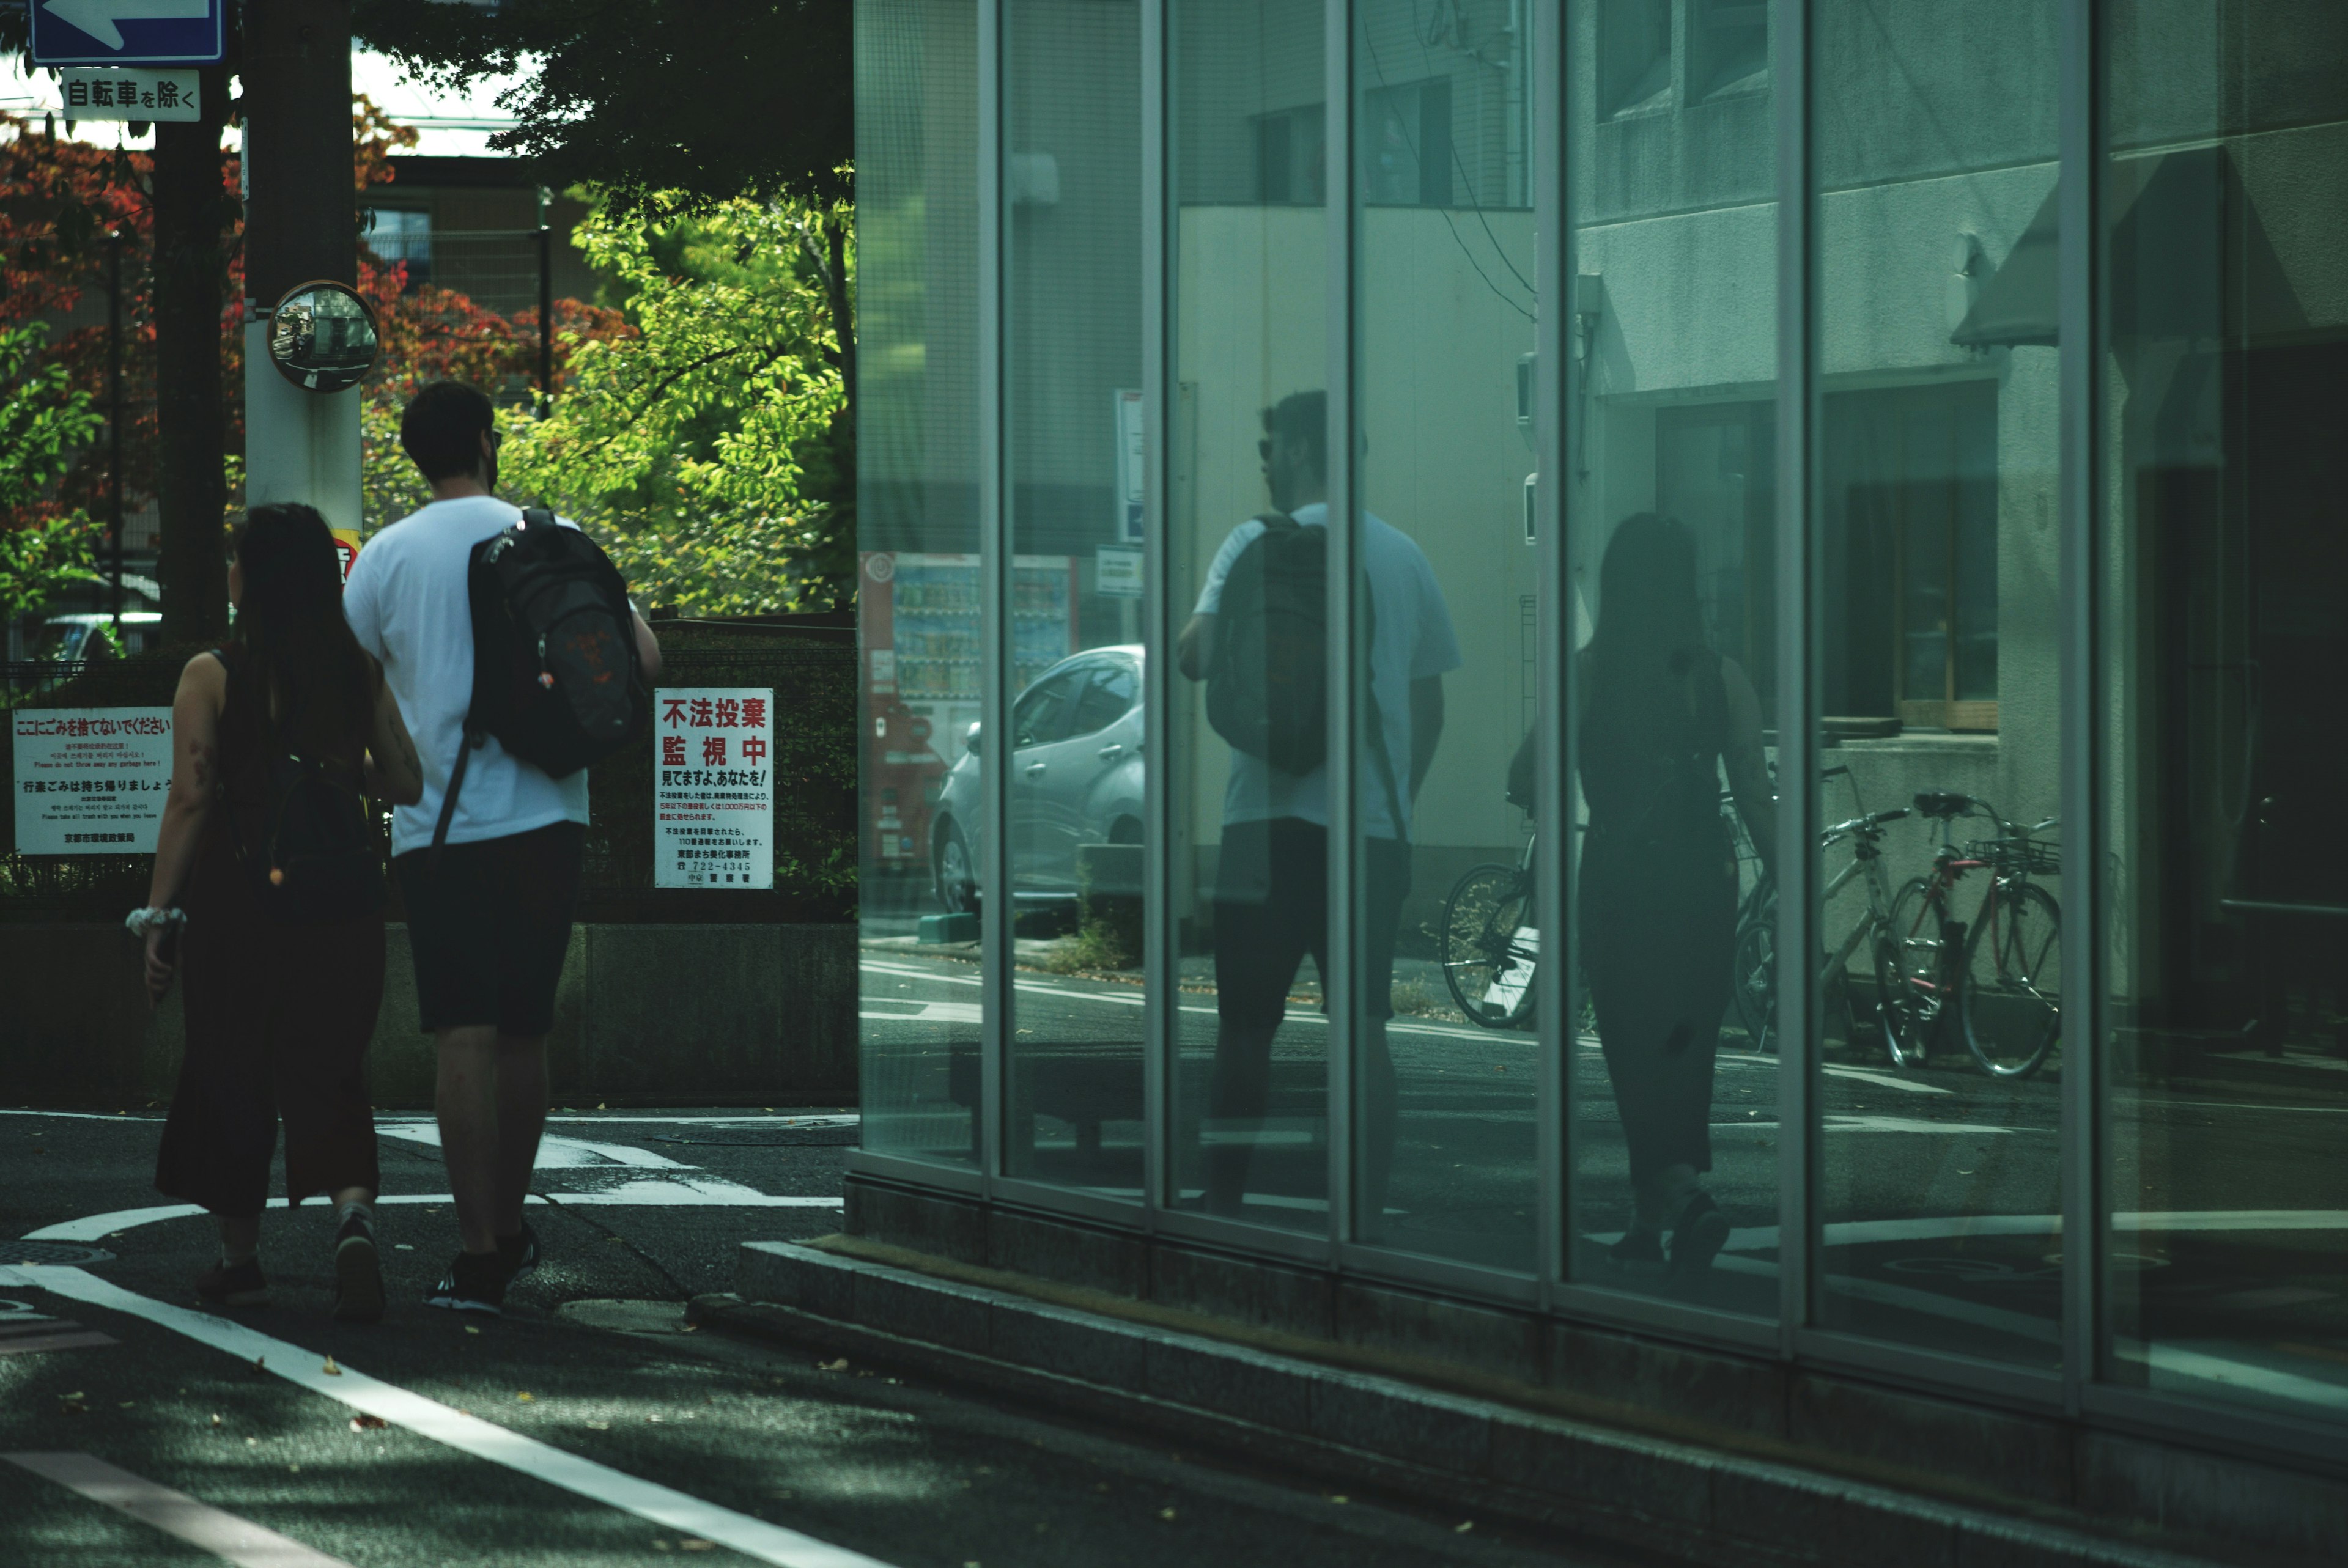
pixel 679 1014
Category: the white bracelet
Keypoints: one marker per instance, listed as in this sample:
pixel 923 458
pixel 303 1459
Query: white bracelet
pixel 139 922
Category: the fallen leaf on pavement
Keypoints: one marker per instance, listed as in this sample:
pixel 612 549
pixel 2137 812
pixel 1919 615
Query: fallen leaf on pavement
pixel 838 1365
pixel 126 1404
pixel 330 1369
pixel 71 1405
pixel 216 1420
pixel 599 1425
pixel 367 1423
pixel 525 1397
pixel 1463 1527
pixel 1167 1515
pixel 470 1329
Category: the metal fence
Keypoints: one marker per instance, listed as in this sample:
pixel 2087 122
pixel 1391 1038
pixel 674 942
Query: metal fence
pixel 810 670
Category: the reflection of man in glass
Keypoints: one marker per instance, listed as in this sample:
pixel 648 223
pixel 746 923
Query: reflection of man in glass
pixel 1272 882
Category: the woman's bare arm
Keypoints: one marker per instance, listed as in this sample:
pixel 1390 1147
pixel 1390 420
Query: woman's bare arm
pixel 1748 769
pixel 195 779
pixel 394 772
pixel 195 774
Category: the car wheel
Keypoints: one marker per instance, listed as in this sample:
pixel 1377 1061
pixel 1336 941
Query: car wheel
pixel 955 873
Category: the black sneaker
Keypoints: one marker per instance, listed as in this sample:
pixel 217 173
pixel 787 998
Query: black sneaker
pixel 358 1274
pixel 476 1282
pixel 234 1284
pixel 1697 1239
pixel 520 1252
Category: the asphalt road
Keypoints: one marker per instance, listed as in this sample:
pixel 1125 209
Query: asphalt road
pixel 585 1428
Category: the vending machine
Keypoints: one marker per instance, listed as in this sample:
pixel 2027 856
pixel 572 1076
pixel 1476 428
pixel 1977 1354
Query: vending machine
pixel 919 618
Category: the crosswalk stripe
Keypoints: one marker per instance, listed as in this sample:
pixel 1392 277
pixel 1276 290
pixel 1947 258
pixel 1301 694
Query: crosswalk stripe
pixel 240 1540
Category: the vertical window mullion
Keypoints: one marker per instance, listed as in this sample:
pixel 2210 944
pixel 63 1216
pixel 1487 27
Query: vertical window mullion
pixel 1160 923
pixel 1799 938
pixel 1553 815
pixel 1344 194
pixel 2084 1117
pixel 995 856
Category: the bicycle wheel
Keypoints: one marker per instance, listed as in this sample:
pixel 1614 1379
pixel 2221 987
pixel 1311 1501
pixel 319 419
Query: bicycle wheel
pixel 2013 981
pixel 1910 975
pixel 1754 974
pixel 1486 946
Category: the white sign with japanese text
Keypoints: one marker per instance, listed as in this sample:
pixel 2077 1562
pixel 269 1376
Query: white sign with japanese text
pixel 130 95
pixel 91 781
pixel 714 788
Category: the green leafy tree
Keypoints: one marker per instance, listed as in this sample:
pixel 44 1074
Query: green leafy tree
pixel 45 421
pixel 704 447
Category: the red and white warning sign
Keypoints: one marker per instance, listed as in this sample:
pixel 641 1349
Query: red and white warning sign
pixel 714 786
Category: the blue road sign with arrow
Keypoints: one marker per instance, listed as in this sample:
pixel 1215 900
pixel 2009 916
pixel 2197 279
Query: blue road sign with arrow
pixel 126 32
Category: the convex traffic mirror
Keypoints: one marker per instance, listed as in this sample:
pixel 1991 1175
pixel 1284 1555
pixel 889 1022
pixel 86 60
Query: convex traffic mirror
pixel 323 336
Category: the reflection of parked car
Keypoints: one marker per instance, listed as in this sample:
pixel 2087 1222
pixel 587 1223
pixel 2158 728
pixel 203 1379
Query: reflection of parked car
pixel 71 637
pixel 1075 779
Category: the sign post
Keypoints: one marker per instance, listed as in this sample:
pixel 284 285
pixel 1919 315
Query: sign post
pixel 91 781
pixel 714 788
pixel 127 33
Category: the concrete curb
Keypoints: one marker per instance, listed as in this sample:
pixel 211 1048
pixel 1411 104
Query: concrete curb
pixel 1597 1483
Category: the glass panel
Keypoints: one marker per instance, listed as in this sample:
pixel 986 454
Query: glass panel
pixel 1072 349
pixel 1250 431
pixel 916 523
pixel 1939 1199
pixel 2225 640
pixel 1445 1053
pixel 1669 530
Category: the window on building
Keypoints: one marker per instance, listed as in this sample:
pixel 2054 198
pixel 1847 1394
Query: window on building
pixel 1634 54
pixel 1716 471
pixel 1727 45
pixel 400 236
pixel 1289 157
pixel 1406 145
pixel 1909 488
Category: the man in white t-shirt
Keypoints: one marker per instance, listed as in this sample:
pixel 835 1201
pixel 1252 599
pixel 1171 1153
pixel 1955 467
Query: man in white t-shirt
pixel 488 920
pixel 1272 874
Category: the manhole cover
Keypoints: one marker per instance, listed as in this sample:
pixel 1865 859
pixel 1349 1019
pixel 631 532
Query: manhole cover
pixel 60 1253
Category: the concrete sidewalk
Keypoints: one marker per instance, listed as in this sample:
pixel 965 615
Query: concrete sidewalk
pixel 1361 1420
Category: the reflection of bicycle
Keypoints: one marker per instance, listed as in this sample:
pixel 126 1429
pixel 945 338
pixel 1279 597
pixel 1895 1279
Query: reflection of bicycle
pixel 1488 946
pixel 1754 973
pixel 2004 971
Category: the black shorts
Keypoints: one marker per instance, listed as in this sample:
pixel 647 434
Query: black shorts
pixel 488 927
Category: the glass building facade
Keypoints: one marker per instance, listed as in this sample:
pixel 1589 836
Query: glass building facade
pixel 1667 664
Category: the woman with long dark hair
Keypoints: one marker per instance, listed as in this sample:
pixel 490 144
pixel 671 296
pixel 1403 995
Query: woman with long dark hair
pixel 276 738
pixel 1661 715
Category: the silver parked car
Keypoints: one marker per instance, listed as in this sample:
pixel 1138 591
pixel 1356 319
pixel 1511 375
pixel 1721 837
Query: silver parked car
pixel 1076 780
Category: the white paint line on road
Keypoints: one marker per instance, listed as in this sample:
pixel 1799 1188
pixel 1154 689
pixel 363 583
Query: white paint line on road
pixel 1836 1122
pixel 634 1195
pixel 555 1153
pixel 76 1115
pixel 1887 1080
pixel 468 1434
pixel 200 1526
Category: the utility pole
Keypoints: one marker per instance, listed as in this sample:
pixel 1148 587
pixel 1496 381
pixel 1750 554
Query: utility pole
pixel 301 226
pixel 114 420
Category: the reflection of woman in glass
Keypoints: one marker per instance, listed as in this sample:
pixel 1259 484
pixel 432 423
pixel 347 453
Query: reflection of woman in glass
pixel 1660 713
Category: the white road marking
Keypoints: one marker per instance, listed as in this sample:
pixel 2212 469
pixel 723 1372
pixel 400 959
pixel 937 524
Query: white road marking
pixel 240 1540
pixel 1837 1122
pixel 468 1434
pixel 1887 1080
pixel 635 1194
pixel 555 1153
pixel 929 1012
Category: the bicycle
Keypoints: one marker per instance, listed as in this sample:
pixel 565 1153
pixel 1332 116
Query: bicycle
pixel 1754 974
pixel 2004 969
pixel 1488 946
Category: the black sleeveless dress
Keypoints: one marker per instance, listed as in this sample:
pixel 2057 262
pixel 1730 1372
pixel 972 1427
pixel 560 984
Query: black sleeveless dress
pixel 278 1017
pixel 1658 914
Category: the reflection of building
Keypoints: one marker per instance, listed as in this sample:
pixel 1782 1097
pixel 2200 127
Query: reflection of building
pixel 471 224
pixel 2009 470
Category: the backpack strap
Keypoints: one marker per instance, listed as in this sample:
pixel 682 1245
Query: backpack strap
pixel 473 739
pixel 537 518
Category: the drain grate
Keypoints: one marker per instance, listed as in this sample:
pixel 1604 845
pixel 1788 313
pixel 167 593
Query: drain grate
pixel 58 1254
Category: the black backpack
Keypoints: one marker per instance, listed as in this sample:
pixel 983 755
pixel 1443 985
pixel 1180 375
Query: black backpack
pixel 1268 679
pixel 555 673
pixel 318 859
